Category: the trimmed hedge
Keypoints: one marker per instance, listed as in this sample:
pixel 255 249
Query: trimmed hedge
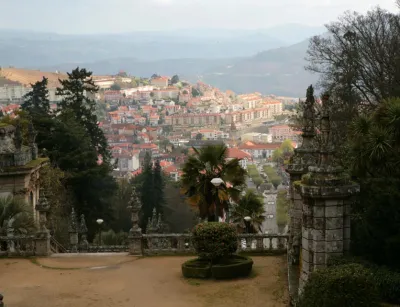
pixel 235 267
pixel 196 268
pixel 347 285
pixel 214 241
pixel 386 281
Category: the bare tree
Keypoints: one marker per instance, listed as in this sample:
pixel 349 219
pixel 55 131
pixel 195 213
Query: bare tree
pixel 360 56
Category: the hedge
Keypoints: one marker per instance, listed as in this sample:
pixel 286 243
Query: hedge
pixel 386 281
pixel 237 266
pixel 347 285
pixel 196 268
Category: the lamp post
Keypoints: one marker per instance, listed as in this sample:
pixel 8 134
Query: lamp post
pixel 99 222
pixel 217 182
pixel 247 220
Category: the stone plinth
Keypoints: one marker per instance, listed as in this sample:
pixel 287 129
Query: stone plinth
pixel 135 242
pixel 326 197
pixel 42 244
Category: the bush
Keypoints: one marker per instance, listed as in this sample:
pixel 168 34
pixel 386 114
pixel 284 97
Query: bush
pixel 196 268
pixel 348 285
pixel 387 282
pixel 234 267
pixel 214 241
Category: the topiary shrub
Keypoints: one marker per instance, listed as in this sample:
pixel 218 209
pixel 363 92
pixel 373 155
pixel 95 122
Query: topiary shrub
pixel 386 281
pixel 196 268
pixel 233 267
pixel 347 285
pixel 214 241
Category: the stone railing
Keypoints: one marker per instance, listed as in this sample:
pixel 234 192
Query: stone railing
pixel 167 244
pixel 107 249
pixel 262 243
pixel 170 244
pixel 17 246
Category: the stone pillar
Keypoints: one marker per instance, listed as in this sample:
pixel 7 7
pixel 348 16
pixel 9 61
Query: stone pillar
pixel 135 233
pixel 42 237
pixel 73 232
pixel 304 156
pixel 84 244
pixel 326 193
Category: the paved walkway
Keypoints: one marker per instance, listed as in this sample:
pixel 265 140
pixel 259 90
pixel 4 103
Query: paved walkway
pixel 126 281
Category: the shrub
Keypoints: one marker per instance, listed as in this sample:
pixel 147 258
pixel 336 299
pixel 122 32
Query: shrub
pixel 214 241
pixel 345 285
pixel 196 268
pixel 387 282
pixel 234 267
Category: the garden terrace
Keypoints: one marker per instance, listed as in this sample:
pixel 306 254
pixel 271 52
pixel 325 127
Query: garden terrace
pixel 126 281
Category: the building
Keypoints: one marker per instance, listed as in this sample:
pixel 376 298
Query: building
pixel 127 160
pixel 260 151
pixel 160 82
pixel 242 156
pixel 154 118
pixel 113 95
pixel 210 134
pixel 283 132
pixel 192 119
pixel 166 93
pixel 20 166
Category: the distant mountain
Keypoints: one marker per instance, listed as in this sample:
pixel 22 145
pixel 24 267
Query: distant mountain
pixel 277 71
pixel 224 58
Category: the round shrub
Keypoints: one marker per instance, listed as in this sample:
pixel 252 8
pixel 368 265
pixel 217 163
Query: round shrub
pixel 348 285
pixel 214 241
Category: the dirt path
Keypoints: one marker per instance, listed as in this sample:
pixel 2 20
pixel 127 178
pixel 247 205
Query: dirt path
pixel 146 282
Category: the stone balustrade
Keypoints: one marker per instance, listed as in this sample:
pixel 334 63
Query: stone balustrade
pixel 17 246
pixel 107 249
pixel 170 244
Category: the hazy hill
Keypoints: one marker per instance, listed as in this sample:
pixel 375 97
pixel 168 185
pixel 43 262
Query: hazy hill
pixel 277 71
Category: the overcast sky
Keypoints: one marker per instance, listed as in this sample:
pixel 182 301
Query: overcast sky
pixel 111 16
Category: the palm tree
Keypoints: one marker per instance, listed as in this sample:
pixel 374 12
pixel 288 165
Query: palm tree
pixel 17 214
pixel 201 167
pixel 251 204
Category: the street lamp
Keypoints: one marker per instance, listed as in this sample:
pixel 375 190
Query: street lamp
pixel 247 220
pixel 99 222
pixel 217 182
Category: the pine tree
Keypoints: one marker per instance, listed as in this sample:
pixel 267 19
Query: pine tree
pixel 146 191
pixel 37 105
pixel 76 92
pixel 158 188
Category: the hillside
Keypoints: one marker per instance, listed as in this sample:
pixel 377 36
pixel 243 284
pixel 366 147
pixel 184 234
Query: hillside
pixel 27 77
pixel 277 71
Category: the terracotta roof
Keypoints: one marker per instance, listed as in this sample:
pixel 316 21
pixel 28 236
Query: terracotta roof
pixel 235 153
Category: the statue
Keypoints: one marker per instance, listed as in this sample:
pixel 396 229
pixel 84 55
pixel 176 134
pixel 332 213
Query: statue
pixel 134 207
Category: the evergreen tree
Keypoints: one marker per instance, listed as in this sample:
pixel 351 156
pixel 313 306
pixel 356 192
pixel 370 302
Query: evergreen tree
pixel 76 92
pixel 174 79
pixel 158 187
pixel 37 105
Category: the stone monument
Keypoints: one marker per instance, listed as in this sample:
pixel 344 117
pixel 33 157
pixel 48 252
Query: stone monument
pixel 326 194
pixel 303 157
pixel 135 233
pixel 73 232
pixel 42 238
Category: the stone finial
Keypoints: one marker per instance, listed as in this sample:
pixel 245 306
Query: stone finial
pixel 82 225
pixel 73 223
pixel 134 207
pixel 18 137
pixel 31 133
pixel 325 126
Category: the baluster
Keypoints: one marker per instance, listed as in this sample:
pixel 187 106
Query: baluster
pixel 259 244
pixel 181 244
pixel 270 244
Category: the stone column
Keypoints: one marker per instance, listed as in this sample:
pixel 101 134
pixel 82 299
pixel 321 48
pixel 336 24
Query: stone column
pixel 73 232
pixel 84 244
pixel 31 138
pixel 326 193
pixel 135 233
pixel 42 237
pixel 304 156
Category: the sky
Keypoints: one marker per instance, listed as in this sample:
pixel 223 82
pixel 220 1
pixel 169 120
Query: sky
pixel 118 16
